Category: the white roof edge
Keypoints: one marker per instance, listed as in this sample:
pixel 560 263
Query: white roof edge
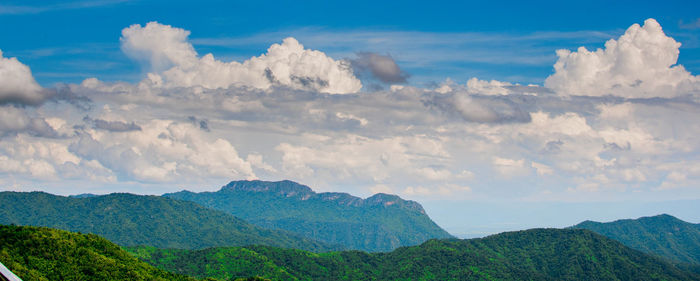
pixel 8 274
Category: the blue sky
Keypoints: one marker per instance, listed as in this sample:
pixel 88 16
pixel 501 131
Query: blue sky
pixel 67 41
pixel 487 108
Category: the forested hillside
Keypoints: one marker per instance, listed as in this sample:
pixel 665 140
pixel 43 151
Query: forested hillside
pixel 663 235
pixel 42 254
pixel 131 220
pixel 537 254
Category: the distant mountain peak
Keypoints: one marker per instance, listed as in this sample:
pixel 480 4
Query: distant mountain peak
pixel 83 195
pixel 391 199
pixel 647 219
pixel 383 198
pixel 341 198
pixel 665 217
pixel 285 187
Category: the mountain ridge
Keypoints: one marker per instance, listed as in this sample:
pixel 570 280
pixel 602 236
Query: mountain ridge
pixel 381 222
pixel 128 219
pixel 663 235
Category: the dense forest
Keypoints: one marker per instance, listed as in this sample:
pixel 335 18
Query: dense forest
pixel 131 220
pixel 538 254
pixel 38 253
pixel 663 235
pixel 381 222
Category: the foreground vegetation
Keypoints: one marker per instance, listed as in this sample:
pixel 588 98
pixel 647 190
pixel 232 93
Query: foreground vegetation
pixel 38 254
pixel 538 254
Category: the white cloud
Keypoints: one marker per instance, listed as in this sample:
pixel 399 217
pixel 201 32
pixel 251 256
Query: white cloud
pixel 476 86
pixel 381 188
pixel 542 169
pixel 612 153
pixel 47 159
pixel 353 157
pixel 508 167
pixel 569 124
pixel 493 87
pixel 639 64
pixel 164 151
pixel 344 116
pixel 419 190
pixel 445 189
pixel 162 46
pixel 176 64
pixel 17 85
pixel 15 120
pixel 478 108
pixel 256 160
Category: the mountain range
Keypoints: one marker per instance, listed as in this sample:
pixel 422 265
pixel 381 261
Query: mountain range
pixel 298 234
pixel 131 220
pixel 381 222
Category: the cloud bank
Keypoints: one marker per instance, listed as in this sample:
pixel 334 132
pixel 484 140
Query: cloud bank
pixel 198 122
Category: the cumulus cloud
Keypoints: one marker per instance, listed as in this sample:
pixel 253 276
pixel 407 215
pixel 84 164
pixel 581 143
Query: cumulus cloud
pixel 508 167
pixel 542 169
pixel 47 159
pixel 15 120
pixel 176 64
pixel 639 64
pixel 161 46
pixel 354 157
pixel 163 151
pixel 17 85
pixel 479 109
pixel 476 86
pixel 381 67
pixel 493 87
